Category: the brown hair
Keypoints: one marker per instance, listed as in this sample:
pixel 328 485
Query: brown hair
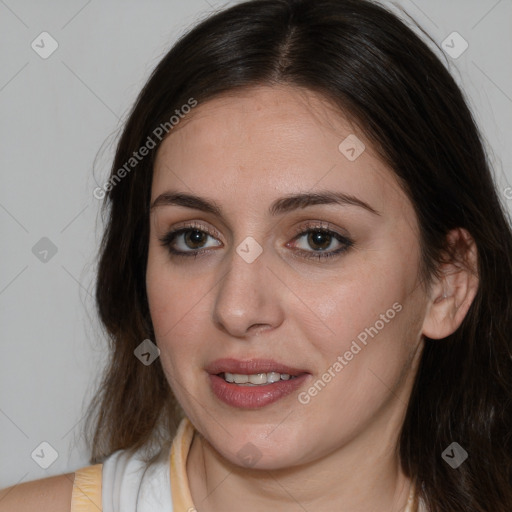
pixel 391 85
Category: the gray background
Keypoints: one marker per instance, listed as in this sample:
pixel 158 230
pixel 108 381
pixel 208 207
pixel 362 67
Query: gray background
pixel 60 114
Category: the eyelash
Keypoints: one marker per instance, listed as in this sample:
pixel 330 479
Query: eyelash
pixel 169 238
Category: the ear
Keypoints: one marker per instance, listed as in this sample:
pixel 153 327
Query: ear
pixel 451 295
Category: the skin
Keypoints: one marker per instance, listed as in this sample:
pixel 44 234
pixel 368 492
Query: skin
pixel 336 453
pixel 52 494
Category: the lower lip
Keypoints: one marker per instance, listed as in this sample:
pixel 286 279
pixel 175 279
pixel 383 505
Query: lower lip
pixel 254 397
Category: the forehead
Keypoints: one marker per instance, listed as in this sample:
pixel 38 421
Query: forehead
pixel 269 141
pixel 291 113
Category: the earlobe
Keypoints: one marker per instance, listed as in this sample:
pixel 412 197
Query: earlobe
pixel 452 294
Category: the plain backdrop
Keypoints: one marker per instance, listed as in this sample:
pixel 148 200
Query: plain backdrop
pixel 61 113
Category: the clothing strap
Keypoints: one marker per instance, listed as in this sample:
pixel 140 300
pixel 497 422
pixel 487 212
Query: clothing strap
pixel 86 495
pixel 181 497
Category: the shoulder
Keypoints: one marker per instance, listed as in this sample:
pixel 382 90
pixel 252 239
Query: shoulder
pixel 52 494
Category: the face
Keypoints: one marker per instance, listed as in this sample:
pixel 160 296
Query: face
pixel 247 282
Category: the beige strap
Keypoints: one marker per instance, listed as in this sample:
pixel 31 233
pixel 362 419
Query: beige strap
pixel 180 491
pixel 86 495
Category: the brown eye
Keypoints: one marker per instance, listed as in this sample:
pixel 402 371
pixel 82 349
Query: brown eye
pixel 319 240
pixel 187 241
pixel 318 243
pixel 194 239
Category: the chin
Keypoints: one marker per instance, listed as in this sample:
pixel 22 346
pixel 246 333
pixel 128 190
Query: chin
pixel 259 453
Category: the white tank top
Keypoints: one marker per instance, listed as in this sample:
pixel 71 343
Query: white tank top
pixel 131 485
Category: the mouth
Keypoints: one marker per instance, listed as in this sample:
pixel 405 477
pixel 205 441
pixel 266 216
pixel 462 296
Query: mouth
pixel 253 371
pixel 254 383
pixel 255 379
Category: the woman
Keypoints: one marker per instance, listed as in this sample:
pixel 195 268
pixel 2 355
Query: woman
pixel 305 278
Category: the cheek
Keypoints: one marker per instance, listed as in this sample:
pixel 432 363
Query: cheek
pixel 171 307
pixel 178 304
pixel 171 291
pixel 355 299
pixel 370 314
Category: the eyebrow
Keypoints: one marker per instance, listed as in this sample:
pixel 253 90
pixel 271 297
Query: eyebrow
pixel 282 205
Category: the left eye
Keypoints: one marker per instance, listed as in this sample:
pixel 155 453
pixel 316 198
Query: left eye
pixel 319 240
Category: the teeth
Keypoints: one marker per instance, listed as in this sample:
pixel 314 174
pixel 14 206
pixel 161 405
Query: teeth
pixel 259 378
pixel 240 379
pixel 256 379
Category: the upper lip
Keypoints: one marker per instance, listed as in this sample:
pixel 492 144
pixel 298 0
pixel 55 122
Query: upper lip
pixel 250 366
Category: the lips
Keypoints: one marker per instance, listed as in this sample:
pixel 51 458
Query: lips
pixel 251 366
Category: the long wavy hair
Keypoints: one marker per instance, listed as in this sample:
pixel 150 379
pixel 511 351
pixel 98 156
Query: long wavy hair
pixel 387 81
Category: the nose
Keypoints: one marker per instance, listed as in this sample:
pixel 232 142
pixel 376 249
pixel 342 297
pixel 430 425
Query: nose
pixel 249 297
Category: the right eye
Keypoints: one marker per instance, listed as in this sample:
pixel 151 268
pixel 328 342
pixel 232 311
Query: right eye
pixel 186 241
